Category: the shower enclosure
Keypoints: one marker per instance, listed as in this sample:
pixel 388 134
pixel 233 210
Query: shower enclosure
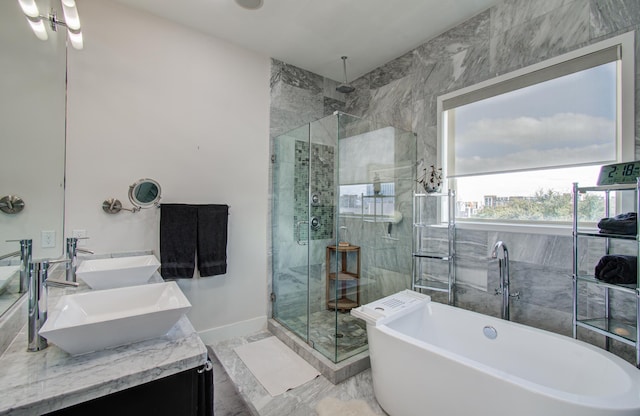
pixel 341 226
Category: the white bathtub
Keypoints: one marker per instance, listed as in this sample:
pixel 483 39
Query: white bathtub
pixel 434 359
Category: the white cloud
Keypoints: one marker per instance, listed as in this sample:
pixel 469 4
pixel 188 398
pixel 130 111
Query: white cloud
pixel 529 142
pixel 567 128
pixel 534 158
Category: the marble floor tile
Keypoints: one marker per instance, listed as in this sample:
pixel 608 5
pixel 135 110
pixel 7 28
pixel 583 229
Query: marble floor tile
pixel 300 401
pixel 226 398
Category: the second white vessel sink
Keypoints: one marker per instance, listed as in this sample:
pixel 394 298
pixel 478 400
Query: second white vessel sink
pixel 117 271
pixel 96 320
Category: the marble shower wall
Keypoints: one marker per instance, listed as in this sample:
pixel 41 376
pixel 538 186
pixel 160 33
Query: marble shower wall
pixel 509 36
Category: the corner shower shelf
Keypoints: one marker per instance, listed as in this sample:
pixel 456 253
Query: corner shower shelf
pixel 427 209
pixel 611 328
pixel 341 278
pixel 376 216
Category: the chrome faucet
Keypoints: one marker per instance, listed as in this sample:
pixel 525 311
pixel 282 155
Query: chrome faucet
pixel 38 283
pixel 503 264
pixel 25 253
pixel 72 252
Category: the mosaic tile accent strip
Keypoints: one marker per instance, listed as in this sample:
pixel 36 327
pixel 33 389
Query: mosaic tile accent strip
pixel 322 185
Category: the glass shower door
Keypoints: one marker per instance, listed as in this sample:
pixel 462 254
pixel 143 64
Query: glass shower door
pixel 323 159
pixel 376 180
pixel 290 231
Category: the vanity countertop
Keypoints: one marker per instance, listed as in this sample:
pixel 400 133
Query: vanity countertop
pixel 40 382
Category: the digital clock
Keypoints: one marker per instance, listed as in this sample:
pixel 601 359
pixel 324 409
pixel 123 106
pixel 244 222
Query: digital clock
pixel 618 173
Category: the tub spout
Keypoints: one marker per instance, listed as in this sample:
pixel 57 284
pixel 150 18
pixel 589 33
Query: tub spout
pixel 503 264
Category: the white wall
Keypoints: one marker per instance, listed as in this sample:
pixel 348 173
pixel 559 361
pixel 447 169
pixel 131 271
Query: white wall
pixel 148 98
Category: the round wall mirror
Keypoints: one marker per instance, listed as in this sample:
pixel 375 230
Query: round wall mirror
pixel 144 193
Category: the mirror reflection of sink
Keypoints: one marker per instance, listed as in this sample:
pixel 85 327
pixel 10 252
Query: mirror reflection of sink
pixel 96 320
pixel 117 272
pixel 7 273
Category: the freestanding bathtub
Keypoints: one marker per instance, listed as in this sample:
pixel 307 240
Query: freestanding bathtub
pixel 433 359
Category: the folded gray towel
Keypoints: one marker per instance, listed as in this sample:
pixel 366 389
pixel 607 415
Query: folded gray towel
pixel 617 269
pixel 625 224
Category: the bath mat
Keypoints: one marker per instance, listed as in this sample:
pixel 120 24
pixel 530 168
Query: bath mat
pixel 330 406
pixel 275 365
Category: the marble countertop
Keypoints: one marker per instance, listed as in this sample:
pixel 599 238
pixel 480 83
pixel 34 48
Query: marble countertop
pixel 51 379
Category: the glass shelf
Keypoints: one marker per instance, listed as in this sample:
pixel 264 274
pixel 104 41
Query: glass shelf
pixel 434 285
pixel 627 288
pixel 612 328
pixel 434 256
pixel 595 233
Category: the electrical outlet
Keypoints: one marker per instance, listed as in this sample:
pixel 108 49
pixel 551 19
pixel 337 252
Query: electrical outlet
pixel 48 238
pixel 79 233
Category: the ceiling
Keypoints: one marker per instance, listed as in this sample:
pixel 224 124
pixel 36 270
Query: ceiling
pixel 314 34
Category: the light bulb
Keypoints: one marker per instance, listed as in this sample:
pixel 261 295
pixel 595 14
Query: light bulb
pixel 38 28
pixel 29 8
pixel 70 12
pixel 76 39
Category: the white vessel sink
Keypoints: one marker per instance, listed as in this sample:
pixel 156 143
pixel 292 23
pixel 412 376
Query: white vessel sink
pixel 96 320
pixel 117 272
pixel 7 273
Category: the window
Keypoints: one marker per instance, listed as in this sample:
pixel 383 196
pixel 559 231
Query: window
pixel 513 146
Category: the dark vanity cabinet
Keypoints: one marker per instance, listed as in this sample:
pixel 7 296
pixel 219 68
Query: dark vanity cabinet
pixel 184 394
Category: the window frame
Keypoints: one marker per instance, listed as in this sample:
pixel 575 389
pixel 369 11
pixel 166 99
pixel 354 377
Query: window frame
pixel 625 123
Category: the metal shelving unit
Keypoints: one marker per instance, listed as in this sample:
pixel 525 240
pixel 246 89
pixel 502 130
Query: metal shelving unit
pixel 605 324
pixel 434 242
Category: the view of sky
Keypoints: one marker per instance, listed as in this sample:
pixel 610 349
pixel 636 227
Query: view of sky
pixel 565 121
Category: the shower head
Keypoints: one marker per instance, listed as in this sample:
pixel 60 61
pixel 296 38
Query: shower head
pixel 345 88
pixel 250 4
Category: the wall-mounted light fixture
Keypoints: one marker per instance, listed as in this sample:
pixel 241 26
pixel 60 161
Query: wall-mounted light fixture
pixel 71 20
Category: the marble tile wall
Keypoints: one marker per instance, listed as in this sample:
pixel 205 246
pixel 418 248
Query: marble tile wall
pixel 511 35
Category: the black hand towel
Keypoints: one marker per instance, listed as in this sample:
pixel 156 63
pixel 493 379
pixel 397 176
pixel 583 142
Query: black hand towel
pixel 617 269
pixel 212 239
pixel 620 224
pixel 178 236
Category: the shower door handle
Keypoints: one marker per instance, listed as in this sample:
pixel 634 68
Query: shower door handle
pixel 300 243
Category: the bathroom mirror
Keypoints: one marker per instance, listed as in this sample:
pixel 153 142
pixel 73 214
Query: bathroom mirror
pixel 144 193
pixel 32 123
